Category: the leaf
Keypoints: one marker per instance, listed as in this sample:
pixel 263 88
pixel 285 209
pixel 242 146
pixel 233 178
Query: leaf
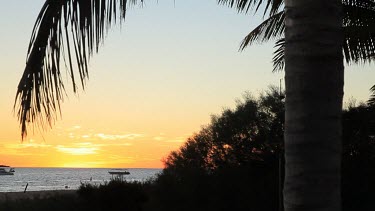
pixel 270 6
pixel 272 27
pixel 71 30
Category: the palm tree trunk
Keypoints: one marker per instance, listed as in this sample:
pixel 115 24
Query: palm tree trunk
pixel 314 80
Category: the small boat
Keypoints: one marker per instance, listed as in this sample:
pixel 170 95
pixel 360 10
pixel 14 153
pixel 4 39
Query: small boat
pixel 6 170
pixel 118 172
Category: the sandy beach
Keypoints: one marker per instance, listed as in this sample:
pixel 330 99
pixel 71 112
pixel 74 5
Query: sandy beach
pixel 34 194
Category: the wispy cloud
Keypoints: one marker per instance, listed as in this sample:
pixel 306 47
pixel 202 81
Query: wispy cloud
pixel 86 136
pixel 159 138
pixel 24 149
pixel 87 148
pixel 78 132
pixel 74 128
pixel 82 148
pixel 130 136
pixel 114 145
pixel 76 151
pixel 26 145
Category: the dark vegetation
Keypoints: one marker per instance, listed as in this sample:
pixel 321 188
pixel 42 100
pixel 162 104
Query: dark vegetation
pixel 231 164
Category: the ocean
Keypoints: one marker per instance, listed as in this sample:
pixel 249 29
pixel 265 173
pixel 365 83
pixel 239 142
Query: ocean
pixel 65 178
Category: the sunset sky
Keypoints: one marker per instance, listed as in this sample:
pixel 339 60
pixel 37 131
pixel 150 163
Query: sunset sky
pixel 156 81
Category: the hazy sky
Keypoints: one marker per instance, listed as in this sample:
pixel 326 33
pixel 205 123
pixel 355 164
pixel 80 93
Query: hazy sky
pixel 156 81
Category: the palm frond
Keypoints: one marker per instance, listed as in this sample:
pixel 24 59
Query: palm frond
pixel 272 27
pixel 359 44
pixel 278 56
pixel 360 3
pixel 271 6
pixel 359 29
pixel 371 101
pixel 68 30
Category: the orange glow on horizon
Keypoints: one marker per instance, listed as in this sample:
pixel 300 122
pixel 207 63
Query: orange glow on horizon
pixel 77 147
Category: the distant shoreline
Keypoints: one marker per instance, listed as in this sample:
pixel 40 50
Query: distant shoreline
pixel 12 196
pixel 40 179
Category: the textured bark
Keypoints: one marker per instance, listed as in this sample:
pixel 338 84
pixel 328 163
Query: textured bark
pixel 314 77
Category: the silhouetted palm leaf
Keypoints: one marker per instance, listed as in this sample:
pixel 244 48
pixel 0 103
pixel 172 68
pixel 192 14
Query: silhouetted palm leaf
pixel 278 55
pixel 272 27
pixel 359 30
pixel 73 29
pixel 271 6
pixel 371 101
pixel 66 29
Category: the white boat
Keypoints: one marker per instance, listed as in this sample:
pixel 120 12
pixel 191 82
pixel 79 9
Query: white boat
pixel 6 170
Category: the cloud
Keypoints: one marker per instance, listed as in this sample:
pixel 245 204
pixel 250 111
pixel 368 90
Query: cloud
pixel 123 144
pixel 103 136
pixel 73 128
pixel 24 149
pixel 159 138
pixel 26 145
pixel 130 136
pixel 85 144
pixel 114 144
pixel 85 148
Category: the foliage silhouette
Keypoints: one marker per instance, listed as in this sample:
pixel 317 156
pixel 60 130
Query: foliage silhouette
pixel 202 165
pixel 358 25
pixel 244 175
pixel 253 131
pixel 66 34
pixel 115 195
pixel 358 158
pixel 72 30
pixel 372 98
pixel 234 160
pixel 323 88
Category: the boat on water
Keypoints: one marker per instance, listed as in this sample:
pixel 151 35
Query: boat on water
pixel 6 170
pixel 119 172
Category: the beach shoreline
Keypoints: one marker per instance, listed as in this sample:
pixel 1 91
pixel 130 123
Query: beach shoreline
pixel 14 196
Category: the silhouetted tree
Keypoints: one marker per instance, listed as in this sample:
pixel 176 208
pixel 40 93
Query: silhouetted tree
pixel 202 167
pixel 358 168
pixel 359 132
pixel 234 160
pixel 251 132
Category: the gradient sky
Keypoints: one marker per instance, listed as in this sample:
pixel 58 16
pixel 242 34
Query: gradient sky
pixel 155 82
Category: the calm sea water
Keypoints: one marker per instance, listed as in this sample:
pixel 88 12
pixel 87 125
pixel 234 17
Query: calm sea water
pixel 64 178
